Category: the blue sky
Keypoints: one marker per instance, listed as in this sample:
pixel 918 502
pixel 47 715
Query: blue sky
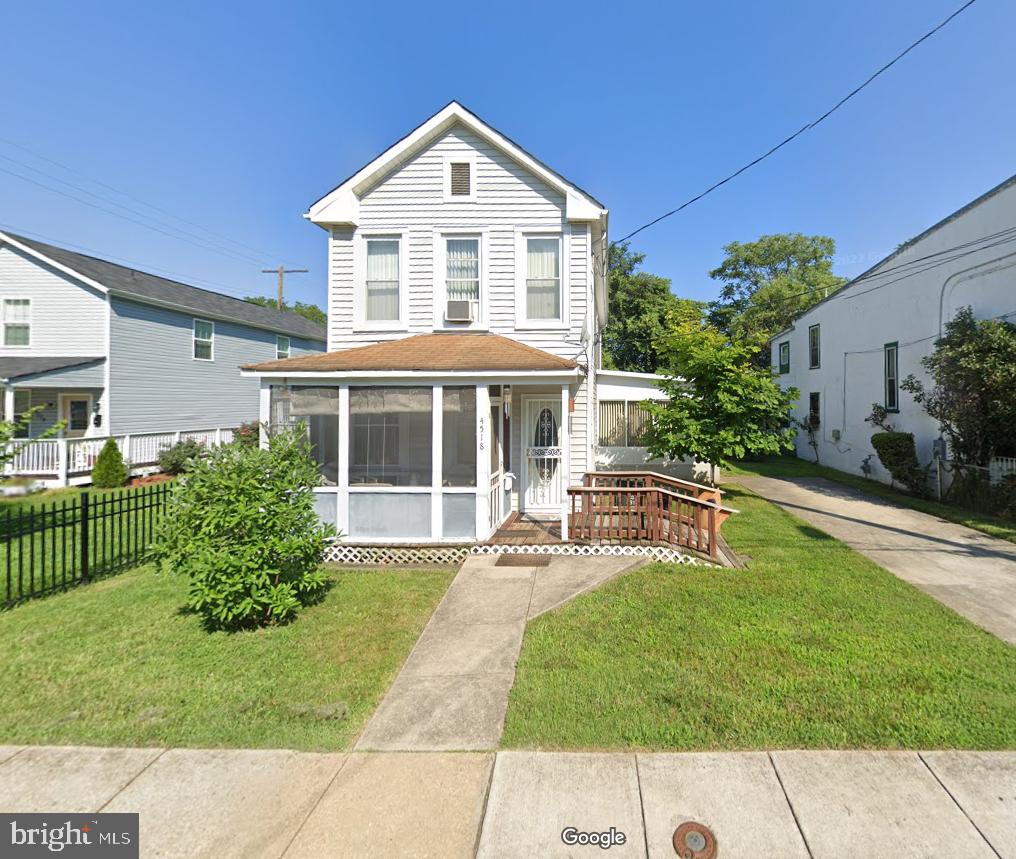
pixel 236 116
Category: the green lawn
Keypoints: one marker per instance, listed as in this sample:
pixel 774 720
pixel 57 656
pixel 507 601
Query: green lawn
pixel 119 663
pixel 813 646
pixel 792 467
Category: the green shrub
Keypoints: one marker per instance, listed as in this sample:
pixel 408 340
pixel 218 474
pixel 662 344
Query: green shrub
pixel 109 470
pixel 242 526
pixel 177 459
pixel 898 453
pixel 248 434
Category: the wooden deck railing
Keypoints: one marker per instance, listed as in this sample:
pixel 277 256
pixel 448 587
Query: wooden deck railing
pixel 644 506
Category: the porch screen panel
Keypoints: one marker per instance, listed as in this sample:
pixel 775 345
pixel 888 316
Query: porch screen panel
pixel 543 278
pixel 278 409
pixel 612 419
pixel 382 280
pixel 390 436
pixel 318 408
pixel 389 515
pixel 458 513
pixel 458 463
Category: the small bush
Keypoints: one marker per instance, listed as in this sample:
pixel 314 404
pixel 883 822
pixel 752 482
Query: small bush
pixel 177 458
pixel 242 526
pixel 109 470
pixel 898 453
pixel 248 434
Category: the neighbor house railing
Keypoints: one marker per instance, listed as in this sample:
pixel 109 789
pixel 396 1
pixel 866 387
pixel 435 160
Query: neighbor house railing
pixel 644 506
pixel 60 461
pixel 1001 467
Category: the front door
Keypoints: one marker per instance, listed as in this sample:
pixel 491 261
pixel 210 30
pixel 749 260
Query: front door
pixel 542 455
pixel 75 411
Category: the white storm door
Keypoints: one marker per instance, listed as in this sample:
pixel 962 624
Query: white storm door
pixel 541 455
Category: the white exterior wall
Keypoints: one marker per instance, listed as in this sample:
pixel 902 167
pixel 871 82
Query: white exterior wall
pixel 910 306
pixel 67 317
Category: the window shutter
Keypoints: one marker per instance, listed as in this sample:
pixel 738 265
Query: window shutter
pixel 460 179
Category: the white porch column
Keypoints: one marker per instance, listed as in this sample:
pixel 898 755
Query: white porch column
pixel 9 403
pixel 342 496
pixel 565 439
pixel 437 465
pixel 264 411
pixel 483 442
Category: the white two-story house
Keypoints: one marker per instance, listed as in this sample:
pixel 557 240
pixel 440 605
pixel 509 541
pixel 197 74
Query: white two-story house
pixel 467 290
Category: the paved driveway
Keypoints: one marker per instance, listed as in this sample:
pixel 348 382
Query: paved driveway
pixel 970 572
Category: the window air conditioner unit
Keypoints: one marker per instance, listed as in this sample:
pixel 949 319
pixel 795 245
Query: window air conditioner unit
pixel 459 310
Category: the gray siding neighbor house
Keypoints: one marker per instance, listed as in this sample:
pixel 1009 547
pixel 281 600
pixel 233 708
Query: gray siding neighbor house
pixel 111 351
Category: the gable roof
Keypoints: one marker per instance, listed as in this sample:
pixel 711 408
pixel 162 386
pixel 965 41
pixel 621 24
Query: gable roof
pixel 426 352
pixel 905 246
pixel 341 204
pixel 149 288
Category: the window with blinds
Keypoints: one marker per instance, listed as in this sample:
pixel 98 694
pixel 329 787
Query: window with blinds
pixel 460 180
pixel 623 423
pixel 382 299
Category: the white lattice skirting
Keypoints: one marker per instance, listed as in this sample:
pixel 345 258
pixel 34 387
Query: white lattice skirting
pixel 656 553
pixel 410 556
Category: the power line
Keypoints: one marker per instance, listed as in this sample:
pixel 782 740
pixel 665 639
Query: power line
pixel 804 128
pixel 122 193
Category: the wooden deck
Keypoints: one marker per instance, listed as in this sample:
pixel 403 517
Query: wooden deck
pixel 519 530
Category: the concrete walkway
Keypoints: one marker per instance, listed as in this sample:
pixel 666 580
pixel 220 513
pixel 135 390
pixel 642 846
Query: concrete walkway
pixel 970 572
pixel 789 804
pixel 452 693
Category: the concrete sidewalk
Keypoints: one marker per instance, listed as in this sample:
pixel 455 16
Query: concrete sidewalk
pixel 825 805
pixel 452 693
pixel 971 572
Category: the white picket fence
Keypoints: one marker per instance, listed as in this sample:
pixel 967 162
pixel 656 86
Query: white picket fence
pixel 67 461
pixel 1001 467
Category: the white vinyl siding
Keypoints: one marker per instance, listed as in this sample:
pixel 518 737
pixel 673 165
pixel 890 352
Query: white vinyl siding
pixel 204 340
pixel 411 202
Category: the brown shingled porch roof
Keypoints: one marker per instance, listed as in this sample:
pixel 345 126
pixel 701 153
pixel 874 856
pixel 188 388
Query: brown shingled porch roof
pixel 426 352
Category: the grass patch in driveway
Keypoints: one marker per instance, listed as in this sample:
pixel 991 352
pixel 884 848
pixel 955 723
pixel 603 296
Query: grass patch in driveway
pixel 119 663
pixel 813 646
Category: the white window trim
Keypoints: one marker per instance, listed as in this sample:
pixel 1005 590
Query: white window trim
pixel 360 323
pixel 441 237
pixel 463 158
pixel 522 322
pixel 3 322
pixel 278 349
pixel 195 339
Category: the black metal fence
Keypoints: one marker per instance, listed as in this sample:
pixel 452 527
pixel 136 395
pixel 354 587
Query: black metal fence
pixel 49 546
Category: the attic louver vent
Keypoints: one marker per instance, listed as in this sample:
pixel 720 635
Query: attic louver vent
pixel 460 179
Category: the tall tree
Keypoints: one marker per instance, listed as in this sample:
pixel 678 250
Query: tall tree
pixel 639 305
pixel 768 282
pixel 309 311
pixel 722 405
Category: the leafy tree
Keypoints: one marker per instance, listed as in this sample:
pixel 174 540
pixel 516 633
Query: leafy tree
pixel 768 282
pixel 722 404
pixel 242 526
pixel 974 372
pixel 639 305
pixel 110 470
pixel 308 311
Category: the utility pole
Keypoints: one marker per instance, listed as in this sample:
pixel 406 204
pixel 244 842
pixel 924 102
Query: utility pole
pixel 282 271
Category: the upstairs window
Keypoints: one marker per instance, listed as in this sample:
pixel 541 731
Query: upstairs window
pixel 17 321
pixel 784 357
pixel 892 377
pixel 383 272
pixel 281 347
pixel 814 347
pixel 204 340
pixel 462 269
pixel 543 278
